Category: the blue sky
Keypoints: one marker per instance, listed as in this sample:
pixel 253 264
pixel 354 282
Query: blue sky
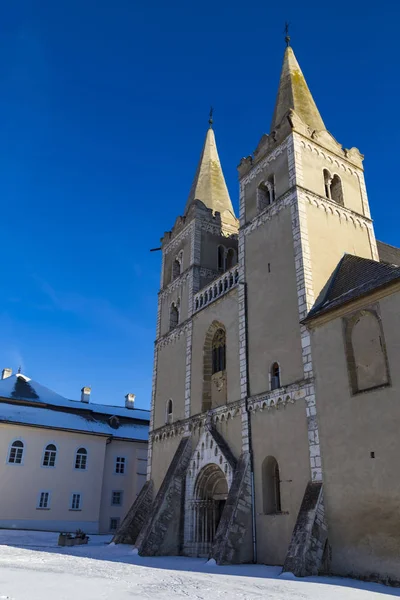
pixel 103 112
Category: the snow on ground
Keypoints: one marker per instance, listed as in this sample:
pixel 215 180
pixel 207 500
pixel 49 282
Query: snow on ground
pixel 33 567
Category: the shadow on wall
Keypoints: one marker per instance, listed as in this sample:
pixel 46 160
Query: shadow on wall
pixel 99 548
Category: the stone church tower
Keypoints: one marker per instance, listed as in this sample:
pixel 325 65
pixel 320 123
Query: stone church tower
pixel 235 465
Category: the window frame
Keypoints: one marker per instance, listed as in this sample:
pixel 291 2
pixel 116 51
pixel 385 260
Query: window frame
pixel 121 493
pixel 117 459
pixel 272 377
pixel 117 520
pixel 218 354
pixel 174 307
pixel 39 498
pixel 169 414
pixel 76 456
pixel 49 466
pixel 14 463
pixel 71 503
pixel 271 486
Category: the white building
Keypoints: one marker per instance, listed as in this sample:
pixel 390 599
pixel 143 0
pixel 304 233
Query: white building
pixel 67 464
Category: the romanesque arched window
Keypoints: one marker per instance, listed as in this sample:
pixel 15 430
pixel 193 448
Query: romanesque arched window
pixel 230 258
pixel 221 258
pixel 271 187
pixel 263 196
pixel 219 351
pixel 336 191
pixel 327 183
pixel 173 316
pixel 177 265
pixel 271 486
pixel 366 352
pixel 214 367
pixel 275 376
pixel 176 269
pixel 169 412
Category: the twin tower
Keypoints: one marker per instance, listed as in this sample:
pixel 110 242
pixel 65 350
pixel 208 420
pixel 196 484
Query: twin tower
pixel 234 449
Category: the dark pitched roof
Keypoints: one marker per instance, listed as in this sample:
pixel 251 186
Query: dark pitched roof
pixel 354 277
pixel 388 254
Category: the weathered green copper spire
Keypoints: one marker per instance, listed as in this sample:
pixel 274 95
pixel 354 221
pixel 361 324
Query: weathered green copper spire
pixel 293 94
pixel 209 183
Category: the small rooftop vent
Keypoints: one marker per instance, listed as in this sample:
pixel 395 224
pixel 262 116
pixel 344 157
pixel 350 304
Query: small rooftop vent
pixel 85 394
pixel 6 373
pixel 130 401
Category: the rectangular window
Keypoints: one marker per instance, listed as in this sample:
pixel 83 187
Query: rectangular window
pixel 120 465
pixel 116 497
pixel 76 502
pixel 44 500
pixel 114 524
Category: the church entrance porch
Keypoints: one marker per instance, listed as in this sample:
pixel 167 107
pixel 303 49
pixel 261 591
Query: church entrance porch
pixel 204 510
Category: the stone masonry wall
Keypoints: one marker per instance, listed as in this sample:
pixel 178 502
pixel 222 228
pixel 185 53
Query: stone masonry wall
pixel 136 517
pixel 306 550
pixel 233 540
pixel 162 534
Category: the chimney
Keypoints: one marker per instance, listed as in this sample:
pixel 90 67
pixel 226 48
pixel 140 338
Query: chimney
pixel 85 394
pixel 6 373
pixel 130 400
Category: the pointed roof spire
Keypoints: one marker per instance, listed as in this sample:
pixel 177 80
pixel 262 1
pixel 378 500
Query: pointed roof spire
pixel 209 183
pixel 294 94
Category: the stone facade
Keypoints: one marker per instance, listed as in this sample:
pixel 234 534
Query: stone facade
pixel 245 463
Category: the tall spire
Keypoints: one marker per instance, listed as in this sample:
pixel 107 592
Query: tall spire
pixel 293 94
pixel 209 183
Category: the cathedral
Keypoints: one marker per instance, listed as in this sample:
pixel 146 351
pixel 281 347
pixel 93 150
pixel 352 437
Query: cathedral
pixel 275 402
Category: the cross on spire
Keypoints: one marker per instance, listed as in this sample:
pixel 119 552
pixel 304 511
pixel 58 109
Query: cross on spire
pixel 210 117
pixel 286 32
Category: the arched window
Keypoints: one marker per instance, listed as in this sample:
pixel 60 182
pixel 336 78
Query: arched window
pixel 264 198
pixel 173 316
pixel 219 351
pixel 16 453
pixel 169 413
pixel 366 352
pixel 230 258
pixel 176 269
pixel 275 376
pixel 81 459
pixel 327 183
pixel 49 457
pixel 337 190
pixel 221 259
pixel 271 187
pixel 271 486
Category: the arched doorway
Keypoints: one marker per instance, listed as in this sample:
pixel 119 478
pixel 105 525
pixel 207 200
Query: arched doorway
pixel 210 494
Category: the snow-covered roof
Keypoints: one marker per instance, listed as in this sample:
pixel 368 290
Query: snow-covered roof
pixel 46 408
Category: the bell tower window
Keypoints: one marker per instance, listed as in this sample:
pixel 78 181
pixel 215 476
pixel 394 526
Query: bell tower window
pixel 219 351
pixel 221 258
pixel 266 193
pixel 230 259
pixel 337 190
pixel 327 183
pixel 177 266
pixel 275 376
pixel 169 412
pixel 173 316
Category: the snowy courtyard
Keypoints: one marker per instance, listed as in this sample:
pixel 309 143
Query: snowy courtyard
pixel 33 567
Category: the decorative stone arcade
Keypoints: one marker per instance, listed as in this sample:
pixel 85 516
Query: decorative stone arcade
pixel 208 481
